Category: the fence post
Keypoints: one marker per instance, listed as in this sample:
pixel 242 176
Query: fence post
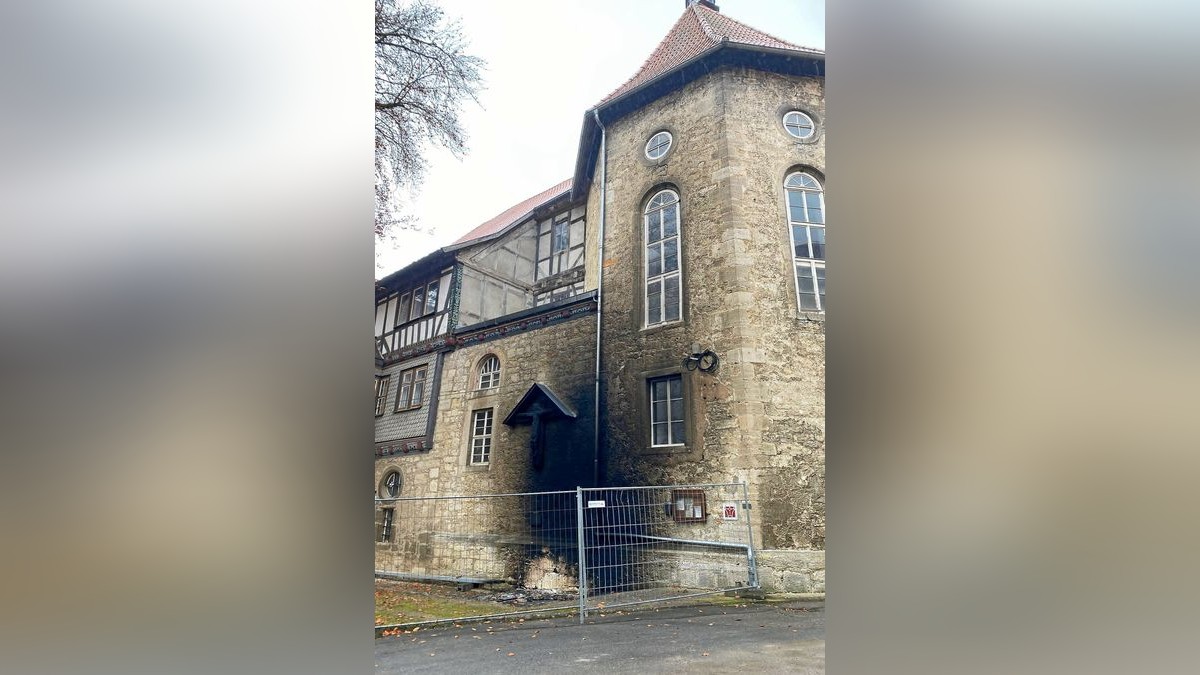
pixel 750 560
pixel 582 554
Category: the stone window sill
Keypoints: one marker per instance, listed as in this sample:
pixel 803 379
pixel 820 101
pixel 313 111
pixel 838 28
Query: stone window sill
pixel 666 450
pixel 647 330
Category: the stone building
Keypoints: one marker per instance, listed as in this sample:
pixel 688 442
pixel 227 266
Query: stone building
pixel 672 290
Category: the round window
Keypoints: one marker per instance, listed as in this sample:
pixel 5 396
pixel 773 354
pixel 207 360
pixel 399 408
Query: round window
pixel 799 124
pixel 658 145
pixel 390 488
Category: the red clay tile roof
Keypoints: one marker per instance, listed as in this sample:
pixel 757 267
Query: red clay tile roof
pixel 698 30
pixel 514 214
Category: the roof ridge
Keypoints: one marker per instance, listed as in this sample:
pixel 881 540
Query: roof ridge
pixel 708 30
pixel 726 17
pixel 515 213
pixel 667 38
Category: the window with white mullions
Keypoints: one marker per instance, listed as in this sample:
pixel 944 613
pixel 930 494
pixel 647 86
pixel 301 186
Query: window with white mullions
pixel 806 220
pixel 481 436
pixel 666 411
pixel 799 124
pixel 663 276
pixel 489 372
pixel 658 145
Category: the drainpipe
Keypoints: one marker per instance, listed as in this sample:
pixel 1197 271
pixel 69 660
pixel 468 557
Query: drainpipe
pixel 599 295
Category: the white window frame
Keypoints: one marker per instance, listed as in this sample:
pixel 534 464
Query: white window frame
pixel 670 420
pixel 661 277
pixel 387 489
pixel 805 120
pixel 482 432
pixel 813 264
pixel 489 377
pixel 665 148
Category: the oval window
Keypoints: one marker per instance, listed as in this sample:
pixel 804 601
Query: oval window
pixel 658 145
pixel 799 124
pixel 391 485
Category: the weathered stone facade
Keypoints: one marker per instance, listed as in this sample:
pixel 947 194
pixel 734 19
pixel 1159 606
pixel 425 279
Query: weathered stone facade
pixel 760 416
pixel 526 358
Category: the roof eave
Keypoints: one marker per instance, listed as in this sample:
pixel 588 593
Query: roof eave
pixel 439 257
pixel 589 134
pixel 458 246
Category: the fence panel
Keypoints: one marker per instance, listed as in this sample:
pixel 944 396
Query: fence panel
pixel 647 544
pixel 468 557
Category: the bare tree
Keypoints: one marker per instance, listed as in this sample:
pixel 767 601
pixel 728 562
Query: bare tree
pixel 423 75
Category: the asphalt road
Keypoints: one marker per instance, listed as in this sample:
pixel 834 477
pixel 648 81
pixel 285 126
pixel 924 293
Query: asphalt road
pixel 758 637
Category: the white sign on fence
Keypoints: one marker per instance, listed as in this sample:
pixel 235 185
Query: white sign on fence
pixel 596 504
pixel 729 511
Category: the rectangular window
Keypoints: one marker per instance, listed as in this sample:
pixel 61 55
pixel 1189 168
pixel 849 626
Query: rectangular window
pixel 418 304
pixel 386 525
pixel 412 388
pixel 663 280
pixel 481 436
pixel 687 506
pixel 666 411
pixel 810 283
pixel 405 308
pixel 381 392
pixel 559 245
pixel 562 236
pixel 431 297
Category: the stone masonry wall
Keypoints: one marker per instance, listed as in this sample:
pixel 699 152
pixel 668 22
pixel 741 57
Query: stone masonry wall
pixel 451 537
pixel 760 416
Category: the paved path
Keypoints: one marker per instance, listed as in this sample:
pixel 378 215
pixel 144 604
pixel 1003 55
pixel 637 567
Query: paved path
pixel 759 637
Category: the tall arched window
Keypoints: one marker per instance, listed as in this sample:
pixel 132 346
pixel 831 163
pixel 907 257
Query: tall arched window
pixel 806 217
pixel 489 372
pixel 662 258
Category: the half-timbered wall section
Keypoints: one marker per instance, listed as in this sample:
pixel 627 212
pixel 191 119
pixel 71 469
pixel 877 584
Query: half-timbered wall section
pixel 538 262
pixel 498 277
pixel 560 256
pixel 413 313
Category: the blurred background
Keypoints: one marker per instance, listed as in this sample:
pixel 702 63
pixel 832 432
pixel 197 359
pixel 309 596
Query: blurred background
pixel 184 275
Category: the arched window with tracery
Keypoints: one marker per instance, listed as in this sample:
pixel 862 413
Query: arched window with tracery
pixel 489 372
pixel 663 276
pixel 806 220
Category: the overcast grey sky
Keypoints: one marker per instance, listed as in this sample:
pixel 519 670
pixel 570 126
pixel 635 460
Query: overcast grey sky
pixel 549 61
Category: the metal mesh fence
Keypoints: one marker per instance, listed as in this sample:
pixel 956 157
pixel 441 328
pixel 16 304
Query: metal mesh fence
pixel 490 555
pixel 466 557
pixel 645 544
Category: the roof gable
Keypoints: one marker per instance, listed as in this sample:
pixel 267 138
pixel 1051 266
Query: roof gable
pixel 512 215
pixel 701 41
pixel 539 400
pixel 698 29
